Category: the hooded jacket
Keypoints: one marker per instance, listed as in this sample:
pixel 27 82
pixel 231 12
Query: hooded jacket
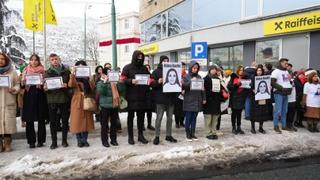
pixel 135 94
pixel 192 99
pixel 214 99
pixel 159 96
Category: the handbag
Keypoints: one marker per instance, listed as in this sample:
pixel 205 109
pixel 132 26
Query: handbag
pixel 123 103
pixel 89 104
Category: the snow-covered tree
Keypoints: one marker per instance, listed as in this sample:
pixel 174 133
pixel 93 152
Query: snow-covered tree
pixel 93 46
pixel 10 42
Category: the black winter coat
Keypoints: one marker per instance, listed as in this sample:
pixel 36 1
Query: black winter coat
pixel 237 99
pixel 214 99
pixel 135 94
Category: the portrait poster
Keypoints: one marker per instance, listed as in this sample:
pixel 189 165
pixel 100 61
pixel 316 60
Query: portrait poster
pixel 171 77
pixel 262 87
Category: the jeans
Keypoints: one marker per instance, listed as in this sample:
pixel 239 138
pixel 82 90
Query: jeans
pixel 247 108
pixel 160 111
pixel 82 136
pixel 191 119
pixel 280 110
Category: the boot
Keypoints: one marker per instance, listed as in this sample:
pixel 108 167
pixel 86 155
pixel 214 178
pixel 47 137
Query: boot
pixel 261 130
pixel 193 131
pixel 80 144
pixel 315 129
pixel 150 127
pixel 142 139
pixel 239 130
pixel 277 129
pixel 234 131
pixel 54 145
pixel 188 134
pixel 253 128
pixel 7 144
pixel 156 140
pixel 114 141
pixel 130 140
pixel 310 127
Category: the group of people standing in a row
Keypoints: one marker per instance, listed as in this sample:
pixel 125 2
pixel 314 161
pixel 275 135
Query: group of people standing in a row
pixel 292 92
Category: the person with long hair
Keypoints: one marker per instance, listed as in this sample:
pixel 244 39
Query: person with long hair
pixel 35 106
pixel 237 99
pixel 311 99
pixel 81 121
pixel 8 103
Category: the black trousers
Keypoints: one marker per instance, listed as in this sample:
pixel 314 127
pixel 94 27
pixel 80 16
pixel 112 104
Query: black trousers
pixel 290 115
pixel 140 120
pixel 219 123
pixel 106 114
pixel 149 117
pixel 179 119
pixel 54 121
pixel 31 134
pixel 236 117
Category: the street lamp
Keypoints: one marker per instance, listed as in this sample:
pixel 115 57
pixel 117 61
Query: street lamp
pixel 86 7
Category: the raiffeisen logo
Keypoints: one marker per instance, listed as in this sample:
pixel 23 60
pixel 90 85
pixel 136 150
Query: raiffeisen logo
pixel 298 22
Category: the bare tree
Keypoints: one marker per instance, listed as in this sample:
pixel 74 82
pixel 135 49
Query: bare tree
pixel 92 46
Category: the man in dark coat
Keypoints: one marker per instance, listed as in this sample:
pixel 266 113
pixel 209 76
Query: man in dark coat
pixel 135 95
pixel 164 102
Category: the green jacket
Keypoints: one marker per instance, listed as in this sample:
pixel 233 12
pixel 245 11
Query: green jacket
pixel 105 93
pixel 58 95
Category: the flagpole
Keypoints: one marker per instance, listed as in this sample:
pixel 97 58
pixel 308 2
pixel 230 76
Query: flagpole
pixel 34 42
pixel 44 33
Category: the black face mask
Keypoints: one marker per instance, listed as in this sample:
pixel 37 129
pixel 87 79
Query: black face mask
pixel 139 62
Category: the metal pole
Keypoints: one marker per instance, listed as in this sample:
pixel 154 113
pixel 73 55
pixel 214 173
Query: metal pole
pixel 33 42
pixel 85 33
pixel 114 39
pixel 44 33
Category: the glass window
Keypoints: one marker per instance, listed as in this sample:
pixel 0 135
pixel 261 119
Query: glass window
pixel 164 25
pixel 213 12
pixel 179 18
pixel 126 48
pixel 276 6
pixel 251 8
pixel 268 52
pixel 126 24
pixel 227 57
pixel 152 29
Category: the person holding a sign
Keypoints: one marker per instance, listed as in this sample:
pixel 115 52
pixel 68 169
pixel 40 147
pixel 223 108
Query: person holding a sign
pixel 58 98
pixel 311 99
pixel 281 82
pixel 214 97
pixel 237 98
pixel 9 87
pixel 81 121
pixel 194 98
pixel 260 106
pixel 136 77
pixel 164 102
pixel 35 106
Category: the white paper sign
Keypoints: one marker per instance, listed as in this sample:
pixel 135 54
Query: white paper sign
pixel 54 83
pixel 33 79
pixel 83 71
pixel 143 79
pixel 171 77
pixel 113 76
pixel 245 83
pixel 5 81
pixel 262 87
pixel 216 85
pixel 197 85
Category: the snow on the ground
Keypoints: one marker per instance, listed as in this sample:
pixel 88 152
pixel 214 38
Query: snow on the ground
pixel 73 162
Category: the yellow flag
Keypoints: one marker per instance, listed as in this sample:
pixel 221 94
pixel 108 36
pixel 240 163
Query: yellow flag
pixel 50 15
pixel 33 15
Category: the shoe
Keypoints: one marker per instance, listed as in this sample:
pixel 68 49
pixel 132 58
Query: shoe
pixel 171 139
pixel 65 144
pixel 193 136
pixel 188 134
pixel 156 140
pixel 80 144
pixel 286 129
pixel 177 126
pixel 151 128
pixel 86 144
pixel 299 125
pixel 131 141
pixel 210 137
pixel 32 146
pixel 40 145
pixel 294 129
pixel 261 130
pixel 106 144
pixel 234 131
pixel 214 137
pixel 54 146
pixel 239 131
pixel 114 143
pixel 253 131
pixel 277 130
pixel 142 139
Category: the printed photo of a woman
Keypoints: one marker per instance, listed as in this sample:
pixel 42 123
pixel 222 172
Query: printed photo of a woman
pixel 172 83
pixel 262 91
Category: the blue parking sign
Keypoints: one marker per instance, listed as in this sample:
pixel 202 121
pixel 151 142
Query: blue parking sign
pixel 199 50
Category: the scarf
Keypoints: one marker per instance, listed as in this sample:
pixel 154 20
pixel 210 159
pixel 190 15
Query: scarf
pixel 5 69
pixel 57 70
pixel 115 95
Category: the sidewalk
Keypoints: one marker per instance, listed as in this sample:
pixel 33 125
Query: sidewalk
pixel 74 162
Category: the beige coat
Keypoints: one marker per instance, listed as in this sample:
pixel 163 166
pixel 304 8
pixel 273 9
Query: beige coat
pixel 8 105
pixel 80 120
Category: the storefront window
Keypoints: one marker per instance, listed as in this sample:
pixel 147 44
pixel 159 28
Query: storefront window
pixel 180 18
pixel 151 29
pixel 268 51
pixel 227 57
pixel 276 6
pixel 213 12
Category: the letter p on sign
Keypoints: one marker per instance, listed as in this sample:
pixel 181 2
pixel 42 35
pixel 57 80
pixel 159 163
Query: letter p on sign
pixel 199 52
